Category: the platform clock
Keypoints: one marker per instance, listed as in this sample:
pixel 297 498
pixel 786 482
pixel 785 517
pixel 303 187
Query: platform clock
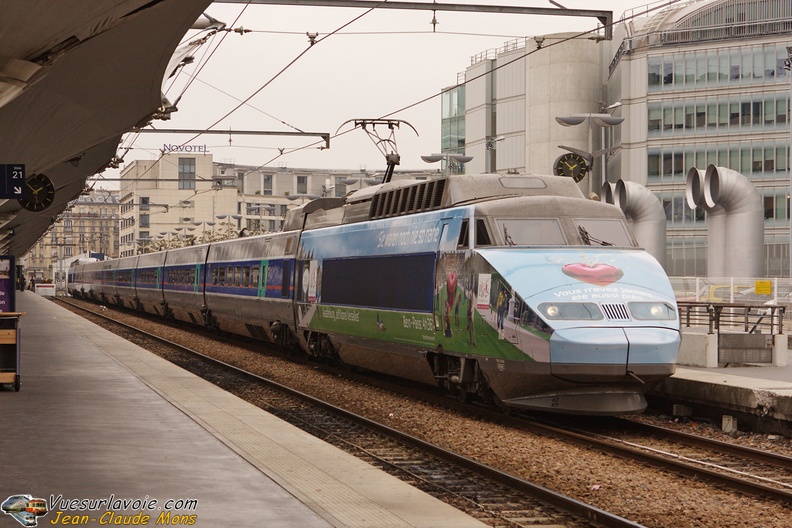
pixel 571 165
pixel 38 193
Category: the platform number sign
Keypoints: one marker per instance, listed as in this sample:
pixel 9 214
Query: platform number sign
pixel 12 180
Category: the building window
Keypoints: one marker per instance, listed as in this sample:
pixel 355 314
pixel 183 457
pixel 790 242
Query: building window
pixel 302 184
pixel 757 64
pixel 754 159
pixel 712 116
pixel 340 187
pixel 186 173
pixel 144 220
pixel 144 203
pixel 267 190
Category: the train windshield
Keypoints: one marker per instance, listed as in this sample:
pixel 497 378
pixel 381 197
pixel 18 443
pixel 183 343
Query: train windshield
pixel 549 232
pixel 531 232
pixel 602 232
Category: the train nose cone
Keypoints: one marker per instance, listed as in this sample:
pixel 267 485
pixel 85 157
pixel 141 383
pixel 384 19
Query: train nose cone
pixel 590 355
pixel 602 355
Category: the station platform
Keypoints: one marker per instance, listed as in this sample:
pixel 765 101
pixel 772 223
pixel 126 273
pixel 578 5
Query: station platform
pixel 101 425
pixel 759 396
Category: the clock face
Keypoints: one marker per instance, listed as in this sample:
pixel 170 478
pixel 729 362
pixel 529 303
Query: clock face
pixel 38 193
pixel 572 166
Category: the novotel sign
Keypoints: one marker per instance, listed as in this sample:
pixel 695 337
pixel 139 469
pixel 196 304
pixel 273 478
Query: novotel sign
pixel 198 149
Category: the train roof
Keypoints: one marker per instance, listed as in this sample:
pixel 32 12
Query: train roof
pixel 404 197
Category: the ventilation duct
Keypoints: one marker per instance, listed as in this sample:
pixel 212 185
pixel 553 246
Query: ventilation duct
pixel 716 223
pixel 735 239
pixel 644 213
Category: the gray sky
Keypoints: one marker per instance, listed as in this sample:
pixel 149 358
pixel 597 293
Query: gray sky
pixel 382 62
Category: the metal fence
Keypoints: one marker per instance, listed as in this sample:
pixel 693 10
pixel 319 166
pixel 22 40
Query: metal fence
pixel 758 291
pixel 732 317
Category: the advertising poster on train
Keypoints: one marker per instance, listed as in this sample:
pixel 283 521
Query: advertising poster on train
pixel 7 284
pixel 484 285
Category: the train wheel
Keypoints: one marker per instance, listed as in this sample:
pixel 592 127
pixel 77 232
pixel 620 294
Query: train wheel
pixel 463 396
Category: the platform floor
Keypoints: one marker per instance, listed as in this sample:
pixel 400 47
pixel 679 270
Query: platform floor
pixel 100 418
pixel 763 393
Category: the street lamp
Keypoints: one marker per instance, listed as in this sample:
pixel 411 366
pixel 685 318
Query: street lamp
pixel 448 158
pixel 302 197
pixel 259 210
pixel 604 121
pixel 361 181
pixel 490 145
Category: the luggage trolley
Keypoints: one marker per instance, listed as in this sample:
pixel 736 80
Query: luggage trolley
pixel 10 349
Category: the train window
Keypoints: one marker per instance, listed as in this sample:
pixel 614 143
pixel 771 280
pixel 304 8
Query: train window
pixel 286 279
pixel 384 284
pixel 237 276
pixel 222 276
pixel 246 276
pixel 482 235
pixel 602 232
pixel 215 273
pixel 531 232
pixel 254 276
pixel 463 235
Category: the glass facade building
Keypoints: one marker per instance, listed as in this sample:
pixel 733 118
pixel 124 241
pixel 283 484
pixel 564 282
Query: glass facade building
pixel 452 127
pixel 717 92
pixel 698 83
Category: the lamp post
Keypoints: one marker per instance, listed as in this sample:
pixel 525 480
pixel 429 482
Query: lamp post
pixel 788 68
pixel 604 121
pixel 448 158
pixel 258 210
pixel 490 145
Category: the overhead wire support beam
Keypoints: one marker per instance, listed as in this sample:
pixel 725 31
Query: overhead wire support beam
pixel 605 17
pixel 324 135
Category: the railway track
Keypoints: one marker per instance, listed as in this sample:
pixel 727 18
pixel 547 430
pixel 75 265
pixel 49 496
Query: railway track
pixel 742 469
pixel 492 496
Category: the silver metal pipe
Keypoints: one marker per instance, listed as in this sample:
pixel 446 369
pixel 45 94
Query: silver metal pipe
pixel 744 255
pixel 716 223
pixel 645 214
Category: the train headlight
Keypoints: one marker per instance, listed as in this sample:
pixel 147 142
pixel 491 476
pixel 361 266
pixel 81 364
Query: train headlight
pixel 647 311
pixel 570 311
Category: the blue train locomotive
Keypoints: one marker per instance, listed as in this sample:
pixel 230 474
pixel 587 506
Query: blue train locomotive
pixel 510 288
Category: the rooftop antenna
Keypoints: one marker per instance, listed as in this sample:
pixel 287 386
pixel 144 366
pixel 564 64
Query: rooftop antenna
pixel 386 145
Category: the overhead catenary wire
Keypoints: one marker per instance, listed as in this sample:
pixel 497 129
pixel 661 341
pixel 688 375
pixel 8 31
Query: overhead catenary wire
pixel 339 32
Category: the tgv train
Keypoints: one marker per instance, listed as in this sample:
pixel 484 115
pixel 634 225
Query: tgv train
pixel 511 288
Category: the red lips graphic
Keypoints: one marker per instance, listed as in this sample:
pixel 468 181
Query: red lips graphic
pixel 598 274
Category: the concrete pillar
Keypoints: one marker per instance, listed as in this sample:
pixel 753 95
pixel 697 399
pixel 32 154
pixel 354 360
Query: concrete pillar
pixel 780 351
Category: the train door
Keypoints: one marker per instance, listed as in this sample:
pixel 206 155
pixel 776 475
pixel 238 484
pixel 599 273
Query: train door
pixel 260 278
